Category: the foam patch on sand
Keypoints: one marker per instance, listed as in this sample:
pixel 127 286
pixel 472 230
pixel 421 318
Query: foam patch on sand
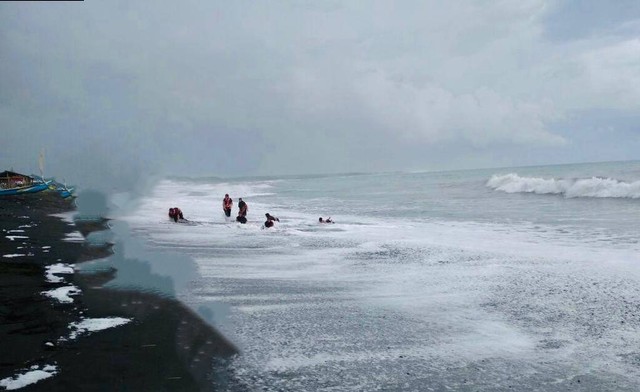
pixel 65 216
pixel 53 270
pixel 63 294
pixel 95 324
pixel 32 376
pixel 74 236
pixel 14 237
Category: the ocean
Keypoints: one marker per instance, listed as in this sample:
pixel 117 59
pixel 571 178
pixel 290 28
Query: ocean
pixel 481 280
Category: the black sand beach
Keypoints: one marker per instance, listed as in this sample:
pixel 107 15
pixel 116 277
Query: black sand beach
pixel 165 346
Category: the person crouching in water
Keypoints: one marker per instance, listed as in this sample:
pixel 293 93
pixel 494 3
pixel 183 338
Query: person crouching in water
pixel 242 213
pixel 227 204
pixel 175 213
pixel 270 220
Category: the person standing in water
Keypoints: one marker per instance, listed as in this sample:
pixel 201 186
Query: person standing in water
pixel 227 204
pixel 242 213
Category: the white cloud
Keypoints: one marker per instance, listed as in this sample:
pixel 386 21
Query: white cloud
pixel 432 114
pixel 612 74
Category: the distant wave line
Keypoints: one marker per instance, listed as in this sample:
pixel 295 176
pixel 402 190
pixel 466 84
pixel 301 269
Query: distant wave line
pixel 569 188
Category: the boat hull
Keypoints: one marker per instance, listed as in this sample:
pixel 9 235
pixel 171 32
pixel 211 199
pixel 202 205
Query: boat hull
pixel 62 189
pixel 33 188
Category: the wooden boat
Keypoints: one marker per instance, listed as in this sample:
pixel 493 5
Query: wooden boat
pixel 12 183
pixel 54 185
pixel 62 189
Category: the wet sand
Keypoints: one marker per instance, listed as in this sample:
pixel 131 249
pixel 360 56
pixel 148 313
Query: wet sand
pixel 165 347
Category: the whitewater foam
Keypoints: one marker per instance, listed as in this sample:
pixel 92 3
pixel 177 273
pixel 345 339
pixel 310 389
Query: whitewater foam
pixel 570 188
pixel 385 297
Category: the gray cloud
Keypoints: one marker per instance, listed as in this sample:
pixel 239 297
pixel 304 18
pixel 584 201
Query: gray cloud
pixel 122 90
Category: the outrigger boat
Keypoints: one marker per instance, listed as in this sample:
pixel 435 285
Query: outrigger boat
pixel 12 183
pixel 62 189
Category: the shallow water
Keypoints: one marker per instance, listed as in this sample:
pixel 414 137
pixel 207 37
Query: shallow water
pixel 427 281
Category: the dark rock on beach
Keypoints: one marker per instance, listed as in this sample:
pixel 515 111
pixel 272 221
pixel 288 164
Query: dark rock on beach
pixel 165 346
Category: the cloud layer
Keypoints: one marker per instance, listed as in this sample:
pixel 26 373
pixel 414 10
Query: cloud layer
pixel 209 88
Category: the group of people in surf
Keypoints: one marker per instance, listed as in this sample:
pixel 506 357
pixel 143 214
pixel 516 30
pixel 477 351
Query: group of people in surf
pixel 227 204
pixel 243 208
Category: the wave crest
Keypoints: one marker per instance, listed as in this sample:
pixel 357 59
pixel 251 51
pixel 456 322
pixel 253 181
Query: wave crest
pixel 570 188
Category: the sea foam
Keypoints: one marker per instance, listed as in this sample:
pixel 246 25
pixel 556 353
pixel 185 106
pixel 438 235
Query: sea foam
pixel 373 301
pixel 53 270
pixel 63 294
pixel 570 188
pixel 31 376
pixel 89 325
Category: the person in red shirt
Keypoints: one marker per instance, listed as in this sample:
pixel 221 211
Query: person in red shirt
pixel 227 204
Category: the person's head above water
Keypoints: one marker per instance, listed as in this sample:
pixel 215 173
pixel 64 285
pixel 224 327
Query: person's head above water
pixel 320 219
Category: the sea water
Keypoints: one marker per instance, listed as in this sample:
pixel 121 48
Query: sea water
pixel 481 280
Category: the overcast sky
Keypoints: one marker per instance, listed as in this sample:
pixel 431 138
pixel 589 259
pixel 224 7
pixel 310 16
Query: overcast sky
pixel 117 89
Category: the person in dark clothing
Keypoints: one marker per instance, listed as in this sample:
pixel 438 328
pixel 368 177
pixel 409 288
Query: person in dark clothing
pixel 227 204
pixel 328 220
pixel 270 220
pixel 242 213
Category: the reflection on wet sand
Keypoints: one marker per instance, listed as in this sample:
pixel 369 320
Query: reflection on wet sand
pixel 164 346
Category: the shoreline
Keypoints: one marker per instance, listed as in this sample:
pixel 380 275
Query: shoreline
pixel 149 342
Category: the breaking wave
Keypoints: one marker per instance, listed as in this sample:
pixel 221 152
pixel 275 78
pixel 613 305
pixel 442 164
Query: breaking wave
pixel 570 188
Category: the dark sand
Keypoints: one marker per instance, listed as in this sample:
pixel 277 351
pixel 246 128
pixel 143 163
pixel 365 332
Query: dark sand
pixel 165 348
